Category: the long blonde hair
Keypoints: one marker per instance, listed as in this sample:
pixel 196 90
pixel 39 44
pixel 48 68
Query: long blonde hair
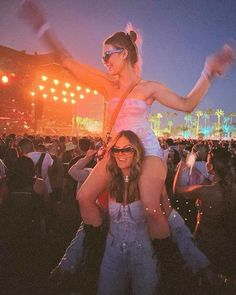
pixel 116 187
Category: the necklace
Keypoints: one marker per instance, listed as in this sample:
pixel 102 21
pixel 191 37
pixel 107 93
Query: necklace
pixel 126 178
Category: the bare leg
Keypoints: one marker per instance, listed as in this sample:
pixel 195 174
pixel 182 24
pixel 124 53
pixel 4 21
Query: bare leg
pixel 94 185
pixel 152 183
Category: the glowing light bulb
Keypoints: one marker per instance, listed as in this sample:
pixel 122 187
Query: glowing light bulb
pixel 44 78
pixel 81 96
pixel 5 79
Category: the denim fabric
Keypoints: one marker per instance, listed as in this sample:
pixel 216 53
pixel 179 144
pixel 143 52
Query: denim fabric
pixel 128 262
pixel 183 237
pixel 74 252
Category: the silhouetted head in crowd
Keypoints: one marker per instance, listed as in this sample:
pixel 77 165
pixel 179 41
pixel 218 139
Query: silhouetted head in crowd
pixel 201 151
pixel 222 164
pixel 41 148
pixel 85 144
pixel 26 146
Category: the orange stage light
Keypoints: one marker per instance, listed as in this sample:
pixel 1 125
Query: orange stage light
pixel 44 78
pixel 55 81
pixel 5 79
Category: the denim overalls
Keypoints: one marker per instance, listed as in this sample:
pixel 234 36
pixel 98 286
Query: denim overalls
pixel 129 262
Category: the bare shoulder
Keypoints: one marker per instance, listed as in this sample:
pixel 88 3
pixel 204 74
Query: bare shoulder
pixel 149 89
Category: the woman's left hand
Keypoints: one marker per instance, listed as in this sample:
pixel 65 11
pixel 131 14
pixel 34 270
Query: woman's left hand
pixel 218 63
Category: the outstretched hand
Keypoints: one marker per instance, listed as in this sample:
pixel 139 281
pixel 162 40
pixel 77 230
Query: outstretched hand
pixel 218 63
pixel 32 13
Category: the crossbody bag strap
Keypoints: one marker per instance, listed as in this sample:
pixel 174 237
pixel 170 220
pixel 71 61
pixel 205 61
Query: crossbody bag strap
pixel 118 107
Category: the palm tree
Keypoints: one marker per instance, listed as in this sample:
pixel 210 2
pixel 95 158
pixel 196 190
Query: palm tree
pixel 219 113
pixel 155 121
pixel 231 115
pixel 175 115
pixel 158 117
pixel 169 125
pixel 198 114
pixel 206 118
pixel 166 115
pixel 152 121
pixel 188 119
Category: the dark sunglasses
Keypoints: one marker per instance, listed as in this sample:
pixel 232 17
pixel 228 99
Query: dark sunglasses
pixel 108 53
pixel 126 150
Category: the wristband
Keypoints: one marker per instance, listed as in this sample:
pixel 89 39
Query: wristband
pixel 207 76
pixel 41 31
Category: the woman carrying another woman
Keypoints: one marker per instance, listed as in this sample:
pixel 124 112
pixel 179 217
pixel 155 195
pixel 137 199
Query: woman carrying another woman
pixel 122 60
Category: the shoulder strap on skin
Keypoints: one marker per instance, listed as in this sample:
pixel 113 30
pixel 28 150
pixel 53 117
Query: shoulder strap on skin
pixel 119 105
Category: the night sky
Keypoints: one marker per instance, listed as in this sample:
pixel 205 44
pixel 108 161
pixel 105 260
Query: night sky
pixel 177 34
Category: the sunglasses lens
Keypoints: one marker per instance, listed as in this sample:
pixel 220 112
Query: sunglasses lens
pixel 123 151
pixel 107 54
pixel 106 57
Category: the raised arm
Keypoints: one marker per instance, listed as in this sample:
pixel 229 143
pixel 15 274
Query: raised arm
pixel 215 66
pixel 31 13
pixel 188 192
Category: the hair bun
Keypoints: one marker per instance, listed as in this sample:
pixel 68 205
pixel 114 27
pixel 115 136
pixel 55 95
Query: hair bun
pixel 133 36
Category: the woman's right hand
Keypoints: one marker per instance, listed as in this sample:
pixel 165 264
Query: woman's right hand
pixel 32 13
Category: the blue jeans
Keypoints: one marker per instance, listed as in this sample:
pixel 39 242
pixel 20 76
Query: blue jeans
pixel 73 255
pixel 183 237
pixel 125 264
pixel 180 234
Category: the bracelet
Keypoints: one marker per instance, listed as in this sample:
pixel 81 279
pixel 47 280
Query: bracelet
pixel 207 76
pixel 43 29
